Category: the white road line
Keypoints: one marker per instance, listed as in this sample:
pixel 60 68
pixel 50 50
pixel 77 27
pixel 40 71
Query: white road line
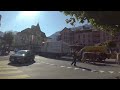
pixel 10 72
pixel 69 67
pixel 47 63
pixel 83 69
pixel 37 63
pixel 52 64
pixel 118 72
pixel 42 62
pixel 93 70
pixel 7 68
pixel 111 72
pixel 62 66
pixel 76 68
pixel 15 77
pixel 101 71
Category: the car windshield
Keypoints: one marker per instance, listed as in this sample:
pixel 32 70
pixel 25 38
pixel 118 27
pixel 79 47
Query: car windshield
pixel 21 52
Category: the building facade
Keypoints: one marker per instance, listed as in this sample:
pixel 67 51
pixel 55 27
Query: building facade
pixel 29 36
pixel 86 37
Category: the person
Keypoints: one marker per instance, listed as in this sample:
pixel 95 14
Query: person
pixel 74 58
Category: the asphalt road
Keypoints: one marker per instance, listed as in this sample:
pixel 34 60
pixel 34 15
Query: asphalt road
pixel 46 68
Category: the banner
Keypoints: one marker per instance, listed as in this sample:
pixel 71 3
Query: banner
pixel 32 38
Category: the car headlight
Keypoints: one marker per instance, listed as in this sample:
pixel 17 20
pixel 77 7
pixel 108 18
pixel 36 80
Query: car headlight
pixel 23 55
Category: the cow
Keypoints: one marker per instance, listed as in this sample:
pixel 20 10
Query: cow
pixel 92 56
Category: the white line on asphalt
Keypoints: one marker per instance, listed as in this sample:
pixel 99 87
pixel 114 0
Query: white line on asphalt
pixel 83 69
pixel 15 77
pixel 118 72
pixel 111 72
pixel 47 63
pixel 52 64
pixel 69 67
pixel 62 66
pixel 37 63
pixel 76 68
pixel 101 71
pixel 42 62
pixel 93 70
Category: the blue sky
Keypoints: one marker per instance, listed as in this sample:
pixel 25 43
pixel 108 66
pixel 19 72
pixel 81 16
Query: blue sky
pixel 49 21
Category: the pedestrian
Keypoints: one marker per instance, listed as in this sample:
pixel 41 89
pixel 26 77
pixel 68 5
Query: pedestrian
pixel 74 58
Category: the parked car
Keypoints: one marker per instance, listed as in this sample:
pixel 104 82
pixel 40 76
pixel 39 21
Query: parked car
pixel 22 56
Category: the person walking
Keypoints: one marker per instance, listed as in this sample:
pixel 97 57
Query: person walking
pixel 74 58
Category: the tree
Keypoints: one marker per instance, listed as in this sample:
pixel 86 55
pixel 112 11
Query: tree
pixel 104 20
pixel 8 38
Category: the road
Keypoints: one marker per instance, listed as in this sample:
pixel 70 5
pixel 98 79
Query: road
pixel 47 68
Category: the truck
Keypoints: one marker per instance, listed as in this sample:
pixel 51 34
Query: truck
pixel 54 49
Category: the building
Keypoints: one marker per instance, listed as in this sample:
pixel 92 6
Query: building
pixel 67 35
pixel 84 36
pixel 29 36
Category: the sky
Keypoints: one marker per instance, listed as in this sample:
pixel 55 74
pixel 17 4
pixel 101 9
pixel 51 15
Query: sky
pixel 49 21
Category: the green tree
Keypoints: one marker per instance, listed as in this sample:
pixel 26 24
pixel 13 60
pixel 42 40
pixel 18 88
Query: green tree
pixel 8 38
pixel 105 20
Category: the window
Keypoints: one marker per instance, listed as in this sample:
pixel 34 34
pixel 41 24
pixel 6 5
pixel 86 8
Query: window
pixel 83 35
pixel 88 36
pixel 79 37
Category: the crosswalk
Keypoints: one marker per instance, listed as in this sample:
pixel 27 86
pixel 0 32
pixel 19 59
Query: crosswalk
pixel 11 72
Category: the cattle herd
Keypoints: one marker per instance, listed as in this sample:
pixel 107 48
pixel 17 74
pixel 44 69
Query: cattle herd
pixel 94 56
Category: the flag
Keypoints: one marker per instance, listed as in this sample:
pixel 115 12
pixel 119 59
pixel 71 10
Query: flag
pixel 32 38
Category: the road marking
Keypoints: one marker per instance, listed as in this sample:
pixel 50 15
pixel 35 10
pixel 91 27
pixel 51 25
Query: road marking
pixel 118 72
pixel 10 72
pixel 52 64
pixel 62 66
pixel 14 77
pixel 76 68
pixel 101 71
pixel 93 70
pixel 83 69
pixel 7 68
pixel 47 63
pixel 4 66
pixel 37 63
pixel 42 62
pixel 69 67
pixel 111 72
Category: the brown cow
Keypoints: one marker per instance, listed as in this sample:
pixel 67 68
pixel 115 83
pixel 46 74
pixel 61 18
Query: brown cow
pixel 92 56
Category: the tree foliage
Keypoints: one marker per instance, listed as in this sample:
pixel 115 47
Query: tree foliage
pixel 8 38
pixel 105 20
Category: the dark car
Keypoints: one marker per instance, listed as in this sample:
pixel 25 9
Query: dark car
pixel 22 56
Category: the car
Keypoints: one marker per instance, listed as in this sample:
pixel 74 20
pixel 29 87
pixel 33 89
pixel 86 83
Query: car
pixel 22 56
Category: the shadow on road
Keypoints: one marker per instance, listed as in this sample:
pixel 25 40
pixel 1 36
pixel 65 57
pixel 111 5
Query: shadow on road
pixel 20 65
pixel 84 68
pixel 62 58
